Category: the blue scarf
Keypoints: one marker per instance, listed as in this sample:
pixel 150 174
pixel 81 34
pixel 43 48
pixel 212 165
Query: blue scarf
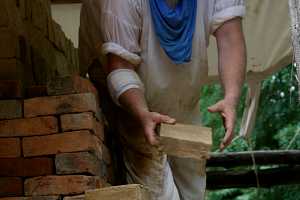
pixel 175 27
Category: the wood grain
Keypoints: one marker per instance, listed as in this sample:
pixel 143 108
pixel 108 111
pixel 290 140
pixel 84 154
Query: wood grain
pixel 188 141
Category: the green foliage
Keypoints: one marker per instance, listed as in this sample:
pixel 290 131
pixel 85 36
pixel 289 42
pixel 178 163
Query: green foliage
pixel 286 137
pixel 210 95
pixel 279 108
pixel 278 120
pixel 275 193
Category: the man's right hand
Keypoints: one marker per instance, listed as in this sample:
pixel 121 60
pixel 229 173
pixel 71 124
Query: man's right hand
pixel 134 102
pixel 149 122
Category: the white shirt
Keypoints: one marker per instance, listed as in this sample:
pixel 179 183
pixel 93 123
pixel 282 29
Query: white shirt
pixel 124 28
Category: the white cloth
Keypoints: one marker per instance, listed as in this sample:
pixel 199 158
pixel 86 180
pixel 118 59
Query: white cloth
pixel 121 80
pixel 169 88
pixel 127 23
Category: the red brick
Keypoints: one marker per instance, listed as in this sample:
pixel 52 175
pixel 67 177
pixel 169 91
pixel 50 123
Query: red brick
pixel 8 44
pixel 78 121
pixel 24 167
pixel 39 18
pixel 11 109
pixel 61 185
pixel 70 85
pixel 124 192
pixel 9 10
pixel 61 143
pixel 4 19
pixel 14 198
pixel 32 198
pixel 78 163
pixel 11 187
pixel 22 9
pixel 36 91
pixel 10 89
pixel 73 103
pixel 82 121
pixel 11 69
pixel 28 126
pixel 10 147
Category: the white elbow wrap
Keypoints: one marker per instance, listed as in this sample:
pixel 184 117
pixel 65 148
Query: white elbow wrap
pixel 121 80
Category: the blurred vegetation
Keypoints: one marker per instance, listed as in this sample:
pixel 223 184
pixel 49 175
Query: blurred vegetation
pixel 278 120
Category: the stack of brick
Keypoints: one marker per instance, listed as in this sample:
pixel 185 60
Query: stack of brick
pixel 12 50
pixel 52 147
pixel 33 47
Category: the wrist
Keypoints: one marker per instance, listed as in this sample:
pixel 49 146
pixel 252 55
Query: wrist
pixel 231 100
pixel 141 113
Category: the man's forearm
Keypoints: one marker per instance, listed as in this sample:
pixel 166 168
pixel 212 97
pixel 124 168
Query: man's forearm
pixel 232 59
pixel 132 98
pixel 134 102
pixel 232 67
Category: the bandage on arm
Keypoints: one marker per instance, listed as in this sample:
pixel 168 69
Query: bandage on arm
pixel 130 97
pixel 121 80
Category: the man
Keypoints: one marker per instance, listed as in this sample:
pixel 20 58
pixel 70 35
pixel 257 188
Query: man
pixel 154 53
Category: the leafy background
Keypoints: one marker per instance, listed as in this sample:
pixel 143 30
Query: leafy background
pixel 278 119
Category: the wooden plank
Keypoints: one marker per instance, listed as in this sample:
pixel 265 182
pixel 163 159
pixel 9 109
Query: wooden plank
pixel 187 141
pixel 234 159
pixel 247 178
pixel 124 192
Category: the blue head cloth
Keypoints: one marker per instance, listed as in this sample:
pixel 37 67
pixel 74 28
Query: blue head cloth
pixel 175 28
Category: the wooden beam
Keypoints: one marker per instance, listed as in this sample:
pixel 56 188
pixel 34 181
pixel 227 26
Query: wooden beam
pixel 228 160
pixel 187 141
pixel 244 179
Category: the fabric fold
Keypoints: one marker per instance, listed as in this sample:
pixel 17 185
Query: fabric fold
pixel 175 27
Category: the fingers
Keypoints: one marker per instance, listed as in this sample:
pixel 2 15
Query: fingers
pixel 151 136
pixel 229 120
pixel 151 123
pixel 227 139
pixel 166 119
pixel 218 107
pixel 228 115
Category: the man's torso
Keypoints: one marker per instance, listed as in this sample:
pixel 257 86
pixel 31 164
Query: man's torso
pixel 171 89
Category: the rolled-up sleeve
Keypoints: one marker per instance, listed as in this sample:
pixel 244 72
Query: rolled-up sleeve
pixel 224 10
pixel 121 25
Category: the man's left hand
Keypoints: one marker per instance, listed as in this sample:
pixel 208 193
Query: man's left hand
pixel 228 112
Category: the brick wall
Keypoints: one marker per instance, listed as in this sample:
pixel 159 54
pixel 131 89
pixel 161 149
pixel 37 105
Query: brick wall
pixel 51 128
pixel 52 147
pixel 33 47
